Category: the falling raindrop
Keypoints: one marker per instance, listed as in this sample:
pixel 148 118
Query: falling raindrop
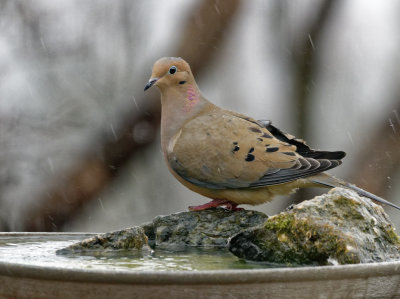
pixel 391 124
pixel 217 9
pixel 101 204
pixel 43 44
pixel 136 104
pixel 311 42
pixel 113 132
pixel 350 137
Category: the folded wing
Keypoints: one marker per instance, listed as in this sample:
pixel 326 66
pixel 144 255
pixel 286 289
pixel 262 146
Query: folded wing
pixel 225 150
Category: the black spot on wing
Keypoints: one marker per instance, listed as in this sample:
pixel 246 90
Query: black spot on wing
pixel 255 130
pixel 271 149
pixel 236 147
pixel 249 158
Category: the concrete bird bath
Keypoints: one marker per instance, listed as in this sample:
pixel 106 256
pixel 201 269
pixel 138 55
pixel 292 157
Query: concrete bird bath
pixel 29 268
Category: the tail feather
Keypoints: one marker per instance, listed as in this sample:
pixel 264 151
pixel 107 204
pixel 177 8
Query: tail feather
pixel 329 181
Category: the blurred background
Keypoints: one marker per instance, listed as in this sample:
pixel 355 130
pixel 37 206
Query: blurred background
pixel 79 139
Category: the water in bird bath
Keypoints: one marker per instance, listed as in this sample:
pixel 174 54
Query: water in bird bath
pixel 30 268
pixel 40 250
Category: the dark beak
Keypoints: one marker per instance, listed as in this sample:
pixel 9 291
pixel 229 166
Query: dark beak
pixel 150 83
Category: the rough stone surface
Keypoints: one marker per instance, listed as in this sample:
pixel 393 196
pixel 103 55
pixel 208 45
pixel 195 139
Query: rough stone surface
pixel 339 227
pixel 207 228
pixel 132 238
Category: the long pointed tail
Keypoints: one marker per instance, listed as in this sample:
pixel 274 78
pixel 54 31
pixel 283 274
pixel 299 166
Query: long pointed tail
pixel 330 181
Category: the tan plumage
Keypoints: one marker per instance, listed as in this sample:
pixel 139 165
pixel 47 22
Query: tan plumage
pixel 229 157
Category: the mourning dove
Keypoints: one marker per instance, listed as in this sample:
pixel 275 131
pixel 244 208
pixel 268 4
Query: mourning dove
pixel 229 157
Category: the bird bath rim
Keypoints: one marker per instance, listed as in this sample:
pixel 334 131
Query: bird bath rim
pixel 284 274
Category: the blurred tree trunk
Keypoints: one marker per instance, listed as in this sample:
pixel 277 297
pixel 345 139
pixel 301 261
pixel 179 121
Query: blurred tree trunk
pixel 379 159
pixel 304 59
pixel 204 31
pixel 304 62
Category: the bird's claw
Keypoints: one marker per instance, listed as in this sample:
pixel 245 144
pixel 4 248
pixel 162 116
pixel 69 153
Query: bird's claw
pixel 230 205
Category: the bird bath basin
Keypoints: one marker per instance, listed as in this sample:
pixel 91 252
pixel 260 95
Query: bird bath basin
pixel 29 268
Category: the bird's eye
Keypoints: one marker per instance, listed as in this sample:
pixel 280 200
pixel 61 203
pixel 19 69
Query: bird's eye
pixel 172 70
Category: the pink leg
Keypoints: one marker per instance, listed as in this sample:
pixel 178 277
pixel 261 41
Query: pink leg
pixel 216 203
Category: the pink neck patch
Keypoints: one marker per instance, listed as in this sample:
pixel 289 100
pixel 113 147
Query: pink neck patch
pixel 191 99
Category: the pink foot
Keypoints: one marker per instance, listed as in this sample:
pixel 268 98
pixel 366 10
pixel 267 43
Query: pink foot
pixel 230 205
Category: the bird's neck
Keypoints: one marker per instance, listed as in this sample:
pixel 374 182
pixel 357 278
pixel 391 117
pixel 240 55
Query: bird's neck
pixel 178 107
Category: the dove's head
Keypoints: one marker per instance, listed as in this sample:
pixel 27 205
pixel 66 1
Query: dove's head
pixel 170 72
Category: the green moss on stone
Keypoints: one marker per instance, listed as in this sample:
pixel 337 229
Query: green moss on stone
pixel 391 236
pixel 338 227
pixel 302 241
pixel 280 222
pixel 345 201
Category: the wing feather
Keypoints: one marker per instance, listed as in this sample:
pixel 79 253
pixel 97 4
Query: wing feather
pixel 226 150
